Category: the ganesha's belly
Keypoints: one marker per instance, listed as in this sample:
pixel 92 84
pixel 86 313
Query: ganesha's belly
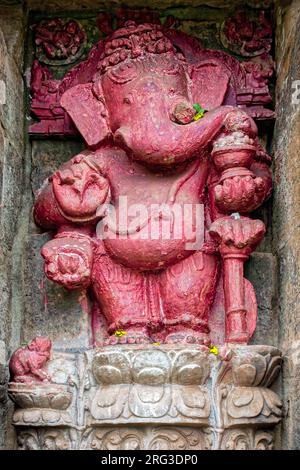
pixel 154 236
pixel 154 246
pixel 147 255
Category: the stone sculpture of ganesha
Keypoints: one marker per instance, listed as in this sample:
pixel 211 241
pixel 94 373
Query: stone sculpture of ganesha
pixel 149 147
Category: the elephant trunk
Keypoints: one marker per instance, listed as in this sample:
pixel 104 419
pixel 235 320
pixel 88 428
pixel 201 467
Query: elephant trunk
pixel 169 142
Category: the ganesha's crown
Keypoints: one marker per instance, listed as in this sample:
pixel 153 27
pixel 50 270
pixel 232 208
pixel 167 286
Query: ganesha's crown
pixel 133 41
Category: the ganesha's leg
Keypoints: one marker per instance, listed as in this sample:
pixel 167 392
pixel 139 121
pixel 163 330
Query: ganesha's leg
pixel 187 290
pixel 121 295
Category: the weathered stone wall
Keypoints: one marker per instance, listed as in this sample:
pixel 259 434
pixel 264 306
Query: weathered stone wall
pixel 12 182
pixel 286 210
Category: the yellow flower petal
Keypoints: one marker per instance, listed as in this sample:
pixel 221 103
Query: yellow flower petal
pixel 214 350
pixel 120 333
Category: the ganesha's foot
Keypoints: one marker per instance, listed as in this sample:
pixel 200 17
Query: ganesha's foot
pixel 128 336
pixel 187 335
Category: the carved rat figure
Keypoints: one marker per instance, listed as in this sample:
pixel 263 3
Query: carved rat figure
pixel 147 146
pixel 27 363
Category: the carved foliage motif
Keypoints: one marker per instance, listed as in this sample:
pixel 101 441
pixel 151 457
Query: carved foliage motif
pixel 108 438
pixel 146 438
pixel 44 439
pixel 241 439
pixel 157 438
pixel 244 402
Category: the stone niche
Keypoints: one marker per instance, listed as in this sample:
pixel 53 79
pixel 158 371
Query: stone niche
pixel 205 384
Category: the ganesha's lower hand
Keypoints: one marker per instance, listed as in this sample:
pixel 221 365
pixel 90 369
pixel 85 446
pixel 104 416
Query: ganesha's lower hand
pixel 80 190
pixel 240 194
pixel 68 261
pixel 42 375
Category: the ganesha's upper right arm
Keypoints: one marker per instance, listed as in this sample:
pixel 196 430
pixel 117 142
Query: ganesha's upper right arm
pixel 74 194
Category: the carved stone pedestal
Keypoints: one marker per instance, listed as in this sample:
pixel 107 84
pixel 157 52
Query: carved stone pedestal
pixel 152 397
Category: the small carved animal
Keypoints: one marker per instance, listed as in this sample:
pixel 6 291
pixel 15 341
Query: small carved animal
pixel 26 364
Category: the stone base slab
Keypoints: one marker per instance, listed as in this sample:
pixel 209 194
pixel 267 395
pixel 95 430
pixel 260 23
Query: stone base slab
pixel 152 397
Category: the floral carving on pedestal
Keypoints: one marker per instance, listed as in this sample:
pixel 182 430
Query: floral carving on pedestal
pixel 180 439
pixel 151 438
pixel 120 439
pixel 45 439
pixel 241 439
pixel 151 383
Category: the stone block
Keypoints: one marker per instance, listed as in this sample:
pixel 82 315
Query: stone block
pixel 11 192
pixel 49 309
pixel 261 270
pixel 12 23
pixel 12 111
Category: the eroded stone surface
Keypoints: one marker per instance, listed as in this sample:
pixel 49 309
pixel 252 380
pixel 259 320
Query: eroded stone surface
pixel 12 36
pixel 261 270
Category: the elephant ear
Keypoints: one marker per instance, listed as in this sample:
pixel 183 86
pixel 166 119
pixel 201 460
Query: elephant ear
pixel 88 112
pixel 210 81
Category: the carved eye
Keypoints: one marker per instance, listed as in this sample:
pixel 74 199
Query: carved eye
pixel 171 92
pixel 128 99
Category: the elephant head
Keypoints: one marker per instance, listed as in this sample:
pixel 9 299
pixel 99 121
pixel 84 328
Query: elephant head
pixel 143 95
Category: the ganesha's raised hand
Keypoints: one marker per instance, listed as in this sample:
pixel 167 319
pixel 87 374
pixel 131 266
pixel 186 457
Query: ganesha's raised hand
pixel 240 194
pixel 80 189
pixel 245 179
pixel 68 261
